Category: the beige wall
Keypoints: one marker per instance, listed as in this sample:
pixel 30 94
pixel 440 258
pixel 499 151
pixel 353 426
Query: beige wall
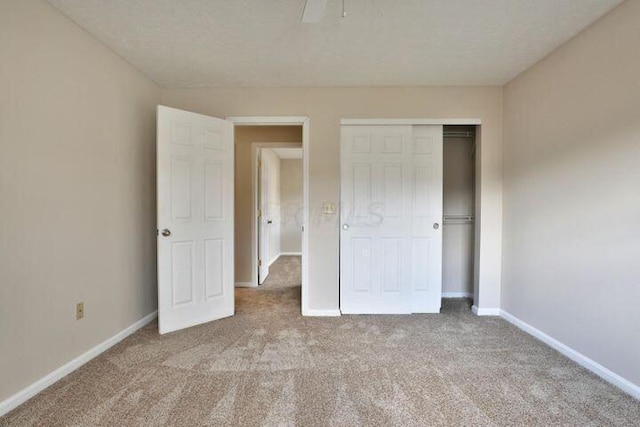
pixel 291 205
pixel 325 107
pixel 572 193
pixel 245 136
pixel 77 192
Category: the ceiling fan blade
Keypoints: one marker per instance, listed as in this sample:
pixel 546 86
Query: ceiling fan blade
pixel 313 11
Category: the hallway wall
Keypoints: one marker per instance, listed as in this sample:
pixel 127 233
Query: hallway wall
pixel 291 205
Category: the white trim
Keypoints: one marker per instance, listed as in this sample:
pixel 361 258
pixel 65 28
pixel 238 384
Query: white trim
pixel 457 295
pixel 306 209
pixel 290 253
pixel 275 258
pixel 255 155
pixel 374 122
pixel 268 120
pixel 322 313
pixel 28 392
pixel 245 285
pixel 485 311
pixel 593 366
pixel 306 124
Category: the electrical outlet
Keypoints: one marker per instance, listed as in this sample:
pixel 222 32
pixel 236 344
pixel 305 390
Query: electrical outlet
pixel 79 310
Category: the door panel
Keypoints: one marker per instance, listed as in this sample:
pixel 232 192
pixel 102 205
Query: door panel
pixel 182 273
pixel 419 268
pixel 391 196
pixel 391 265
pixel 195 206
pixel 214 268
pixel 361 256
pixel 180 177
pixel 214 202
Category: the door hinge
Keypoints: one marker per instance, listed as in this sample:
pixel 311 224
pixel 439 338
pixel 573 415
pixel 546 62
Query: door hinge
pixel 259 263
pixel 259 163
pixel 259 213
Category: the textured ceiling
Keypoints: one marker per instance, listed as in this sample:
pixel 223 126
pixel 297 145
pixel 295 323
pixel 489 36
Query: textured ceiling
pixel 195 43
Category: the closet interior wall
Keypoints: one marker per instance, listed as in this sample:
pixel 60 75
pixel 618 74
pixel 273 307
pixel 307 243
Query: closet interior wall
pixel 459 208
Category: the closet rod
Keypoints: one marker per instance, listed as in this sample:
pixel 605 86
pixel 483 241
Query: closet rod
pixel 467 218
pixel 454 134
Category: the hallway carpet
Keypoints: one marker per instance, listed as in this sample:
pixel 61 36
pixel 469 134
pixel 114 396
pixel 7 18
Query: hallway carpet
pixel 269 366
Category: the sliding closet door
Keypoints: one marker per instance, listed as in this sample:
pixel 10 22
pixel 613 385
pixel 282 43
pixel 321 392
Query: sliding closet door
pixel 426 219
pixel 391 209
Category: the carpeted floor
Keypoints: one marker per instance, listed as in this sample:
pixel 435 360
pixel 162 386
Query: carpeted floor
pixel 270 366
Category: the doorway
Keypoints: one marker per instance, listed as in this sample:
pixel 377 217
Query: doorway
pixel 195 207
pixel 279 220
pixel 267 143
pixel 459 212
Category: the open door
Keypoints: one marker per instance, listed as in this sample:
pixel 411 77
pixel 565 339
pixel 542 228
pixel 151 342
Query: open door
pixel 263 220
pixel 195 219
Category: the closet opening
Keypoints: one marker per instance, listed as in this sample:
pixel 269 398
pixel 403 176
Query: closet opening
pixel 458 243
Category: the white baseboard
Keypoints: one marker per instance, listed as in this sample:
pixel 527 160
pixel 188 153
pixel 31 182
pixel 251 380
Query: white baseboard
pixel 245 285
pixel 457 295
pixel 579 358
pixel 284 254
pixel 27 393
pixel 322 313
pixel 275 258
pixel 485 311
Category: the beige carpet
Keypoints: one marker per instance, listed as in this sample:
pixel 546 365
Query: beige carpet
pixel 270 366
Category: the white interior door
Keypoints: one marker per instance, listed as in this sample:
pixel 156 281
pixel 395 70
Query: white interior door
pixel 391 213
pixel 195 219
pixel 263 220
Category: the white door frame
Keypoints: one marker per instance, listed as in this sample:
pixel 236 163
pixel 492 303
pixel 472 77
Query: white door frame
pixel 478 260
pixel 255 178
pixel 284 121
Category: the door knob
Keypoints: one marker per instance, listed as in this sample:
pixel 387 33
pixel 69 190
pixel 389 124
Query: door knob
pixel 345 226
pixel 436 226
pixel 166 232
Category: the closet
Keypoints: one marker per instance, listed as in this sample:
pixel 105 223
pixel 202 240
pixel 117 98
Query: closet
pixel 458 211
pixel 391 218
